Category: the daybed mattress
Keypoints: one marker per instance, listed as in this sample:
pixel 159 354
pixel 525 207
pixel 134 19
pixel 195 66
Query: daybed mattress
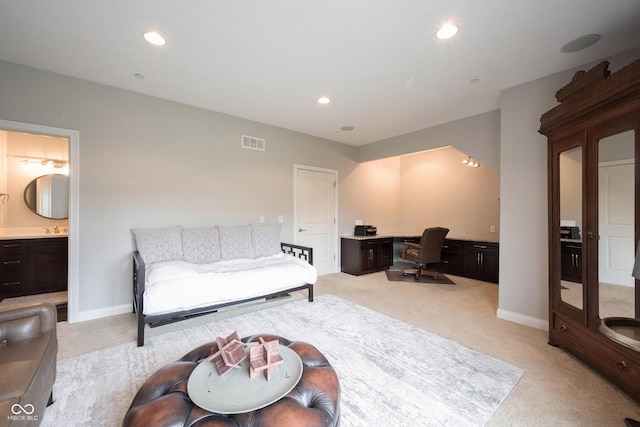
pixel 172 286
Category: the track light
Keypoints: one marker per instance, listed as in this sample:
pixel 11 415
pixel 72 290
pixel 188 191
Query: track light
pixel 469 161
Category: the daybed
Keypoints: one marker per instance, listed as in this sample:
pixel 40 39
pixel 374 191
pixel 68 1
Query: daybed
pixel 182 272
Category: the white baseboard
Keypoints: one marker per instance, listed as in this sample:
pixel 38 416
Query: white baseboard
pixel 523 319
pixel 83 316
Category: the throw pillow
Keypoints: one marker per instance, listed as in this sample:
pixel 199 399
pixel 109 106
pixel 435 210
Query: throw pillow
pixel 159 244
pixel 201 245
pixel 266 239
pixel 235 242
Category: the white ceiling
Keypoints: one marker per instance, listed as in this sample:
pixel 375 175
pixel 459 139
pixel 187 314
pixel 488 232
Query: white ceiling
pixel 269 61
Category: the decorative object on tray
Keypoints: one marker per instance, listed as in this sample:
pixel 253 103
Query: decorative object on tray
pixel 264 358
pixel 237 391
pixel 230 353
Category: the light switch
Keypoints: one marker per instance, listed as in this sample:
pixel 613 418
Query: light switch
pixel 261 219
pixel 280 219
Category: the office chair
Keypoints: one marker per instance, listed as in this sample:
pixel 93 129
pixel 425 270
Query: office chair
pixel 426 253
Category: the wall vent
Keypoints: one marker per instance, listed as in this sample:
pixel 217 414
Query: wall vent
pixel 252 143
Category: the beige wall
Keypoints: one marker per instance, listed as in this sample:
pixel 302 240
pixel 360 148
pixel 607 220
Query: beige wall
pixel 438 190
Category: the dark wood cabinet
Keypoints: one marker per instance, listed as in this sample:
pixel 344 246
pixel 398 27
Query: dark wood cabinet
pixel 571 261
pixel 481 261
pixel 452 257
pixel 366 255
pixel 466 258
pixel 14 268
pixel 33 266
pixel 595 127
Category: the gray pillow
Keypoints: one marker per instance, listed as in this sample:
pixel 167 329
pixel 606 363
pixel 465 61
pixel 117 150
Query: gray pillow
pixel 201 245
pixel 159 244
pixel 235 242
pixel 266 239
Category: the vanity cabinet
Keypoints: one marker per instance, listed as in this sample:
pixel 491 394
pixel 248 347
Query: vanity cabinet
pixel 33 266
pixel 594 181
pixel 49 265
pixel 14 268
pixel 366 255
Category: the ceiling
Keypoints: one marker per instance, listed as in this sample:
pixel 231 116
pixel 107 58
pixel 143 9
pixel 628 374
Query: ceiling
pixel 269 61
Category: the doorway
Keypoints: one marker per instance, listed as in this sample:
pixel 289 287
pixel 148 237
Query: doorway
pixel 73 236
pixel 316 214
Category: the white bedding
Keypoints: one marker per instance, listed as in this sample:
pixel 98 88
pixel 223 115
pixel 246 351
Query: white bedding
pixel 179 285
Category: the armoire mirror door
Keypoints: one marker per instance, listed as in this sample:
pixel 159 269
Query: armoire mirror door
pixel 569 288
pixel 616 231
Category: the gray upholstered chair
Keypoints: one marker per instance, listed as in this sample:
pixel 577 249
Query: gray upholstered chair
pixel 28 358
pixel 426 253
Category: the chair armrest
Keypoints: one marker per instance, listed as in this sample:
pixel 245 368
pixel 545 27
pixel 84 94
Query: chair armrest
pixel 413 245
pixel 46 311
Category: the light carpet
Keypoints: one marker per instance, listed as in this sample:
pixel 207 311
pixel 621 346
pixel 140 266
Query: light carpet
pixel 391 373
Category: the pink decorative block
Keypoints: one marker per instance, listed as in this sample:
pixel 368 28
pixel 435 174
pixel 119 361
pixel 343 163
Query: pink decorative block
pixel 230 353
pixel 264 358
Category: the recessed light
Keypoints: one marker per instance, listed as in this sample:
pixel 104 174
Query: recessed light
pixel 323 100
pixel 154 38
pixel 139 76
pixel 447 31
pixel 580 43
pixel 347 128
pixel 474 81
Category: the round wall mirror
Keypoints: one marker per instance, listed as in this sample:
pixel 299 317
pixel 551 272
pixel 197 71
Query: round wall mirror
pixel 48 196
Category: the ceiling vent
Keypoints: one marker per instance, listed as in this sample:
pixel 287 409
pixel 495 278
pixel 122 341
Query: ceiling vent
pixel 252 143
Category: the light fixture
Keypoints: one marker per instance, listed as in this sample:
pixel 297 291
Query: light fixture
pixel 469 161
pixel 323 100
pixel 447 31
pixel 154 38
pixel 55 166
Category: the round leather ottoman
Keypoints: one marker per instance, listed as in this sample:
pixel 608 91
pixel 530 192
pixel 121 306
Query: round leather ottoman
pixel 314 401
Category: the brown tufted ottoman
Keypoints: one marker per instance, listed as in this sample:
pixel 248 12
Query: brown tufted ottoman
pixel 314 401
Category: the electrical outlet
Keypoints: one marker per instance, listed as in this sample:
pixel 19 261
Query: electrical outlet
pixel 280 219
pixel 261 219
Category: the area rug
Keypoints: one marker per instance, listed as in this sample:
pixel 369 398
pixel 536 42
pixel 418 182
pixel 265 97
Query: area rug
pixel 391 373
pixel 398 276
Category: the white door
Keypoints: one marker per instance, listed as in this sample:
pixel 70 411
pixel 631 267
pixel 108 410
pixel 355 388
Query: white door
pixel 316 222
pixel 615 223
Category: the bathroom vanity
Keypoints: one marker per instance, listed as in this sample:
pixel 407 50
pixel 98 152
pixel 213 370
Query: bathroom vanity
pixel 33 265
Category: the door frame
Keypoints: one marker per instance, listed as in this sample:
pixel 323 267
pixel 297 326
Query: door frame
pixel 334 172
pixel 74 202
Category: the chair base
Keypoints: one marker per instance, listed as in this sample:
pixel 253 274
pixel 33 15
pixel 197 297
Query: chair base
pixel 418 272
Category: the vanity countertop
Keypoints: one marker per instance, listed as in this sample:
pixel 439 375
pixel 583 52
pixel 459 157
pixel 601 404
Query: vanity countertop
pixel 13 233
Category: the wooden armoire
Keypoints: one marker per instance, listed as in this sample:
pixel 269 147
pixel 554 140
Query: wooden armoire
pixel 594 221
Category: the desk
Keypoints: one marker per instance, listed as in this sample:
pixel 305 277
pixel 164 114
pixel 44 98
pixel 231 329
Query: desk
pixel 476 259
